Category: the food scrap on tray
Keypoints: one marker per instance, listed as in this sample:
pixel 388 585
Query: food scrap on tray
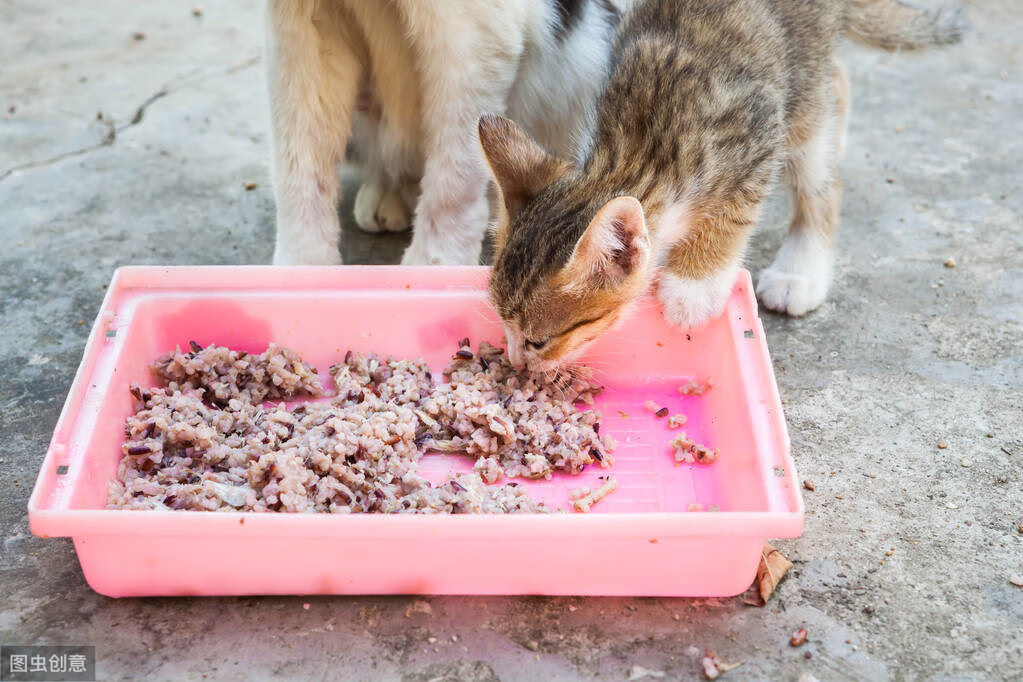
pixel 689 451
pixel 694 387
pixel 206 441
pixel 584 498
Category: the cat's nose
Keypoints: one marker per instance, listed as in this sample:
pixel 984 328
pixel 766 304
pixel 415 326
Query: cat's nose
pixel 516 354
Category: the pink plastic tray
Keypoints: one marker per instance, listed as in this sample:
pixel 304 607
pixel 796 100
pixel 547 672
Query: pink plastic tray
pixel 638 541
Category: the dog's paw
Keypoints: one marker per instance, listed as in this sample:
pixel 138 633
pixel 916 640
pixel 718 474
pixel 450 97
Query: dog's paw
pixel 798 280
pixel 690 303
pixel 380 207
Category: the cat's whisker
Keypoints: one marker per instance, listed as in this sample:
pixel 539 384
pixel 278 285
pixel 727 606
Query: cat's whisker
pixel 598 363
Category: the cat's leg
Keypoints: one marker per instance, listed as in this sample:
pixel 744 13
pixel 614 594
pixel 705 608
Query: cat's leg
pixel 468 62
pixel 313 76
pixel 798 279
pixel 697 278
pixel 379 205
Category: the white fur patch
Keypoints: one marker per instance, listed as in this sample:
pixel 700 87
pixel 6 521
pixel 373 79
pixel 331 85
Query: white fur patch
pixel 690 303
pixel 292 253
pixel 798 280
pixel 810 165
pixel 554 95
pixel 307 232
pixel 445 237
pixel 672 227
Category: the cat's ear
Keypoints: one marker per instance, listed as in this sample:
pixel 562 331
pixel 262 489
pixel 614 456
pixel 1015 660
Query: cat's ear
pixel 521 167
pixel 614 245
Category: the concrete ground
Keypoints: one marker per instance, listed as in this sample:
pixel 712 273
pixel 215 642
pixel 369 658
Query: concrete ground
pixel 119 149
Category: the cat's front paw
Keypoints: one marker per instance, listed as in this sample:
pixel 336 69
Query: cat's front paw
pixel 690 303
pixel 790 293
pixel 380 207
pixel 798 280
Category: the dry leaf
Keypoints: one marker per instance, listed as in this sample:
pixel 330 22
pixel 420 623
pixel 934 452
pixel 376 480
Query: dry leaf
pixel 752 597
pixel 773 567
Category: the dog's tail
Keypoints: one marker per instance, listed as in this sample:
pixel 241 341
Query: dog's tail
pixel 892 25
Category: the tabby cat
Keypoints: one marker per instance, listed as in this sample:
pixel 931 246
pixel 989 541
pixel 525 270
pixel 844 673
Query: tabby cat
pixel 706 102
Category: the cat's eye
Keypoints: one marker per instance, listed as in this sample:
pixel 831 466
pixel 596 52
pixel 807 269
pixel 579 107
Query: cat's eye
pixel 536 345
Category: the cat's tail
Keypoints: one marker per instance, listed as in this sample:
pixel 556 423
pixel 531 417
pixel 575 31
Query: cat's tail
pixel 892 25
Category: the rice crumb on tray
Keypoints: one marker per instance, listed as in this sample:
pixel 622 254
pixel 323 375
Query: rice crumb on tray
pixel 694 387
pixel 208 440
pixel 584 498
pixel 689 451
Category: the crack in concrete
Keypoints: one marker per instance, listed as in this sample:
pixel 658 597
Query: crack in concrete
pixel 112 130
pixel 141 111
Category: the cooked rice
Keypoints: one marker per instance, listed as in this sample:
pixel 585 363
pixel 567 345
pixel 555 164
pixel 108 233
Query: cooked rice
pixel 205 441
pixel 527 426
pixel 275 374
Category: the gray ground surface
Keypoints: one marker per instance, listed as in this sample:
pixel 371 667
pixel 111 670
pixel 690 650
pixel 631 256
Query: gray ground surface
pixel 903 570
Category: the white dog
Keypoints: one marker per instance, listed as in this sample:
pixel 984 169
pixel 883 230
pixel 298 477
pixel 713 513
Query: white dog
pixel 409 79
